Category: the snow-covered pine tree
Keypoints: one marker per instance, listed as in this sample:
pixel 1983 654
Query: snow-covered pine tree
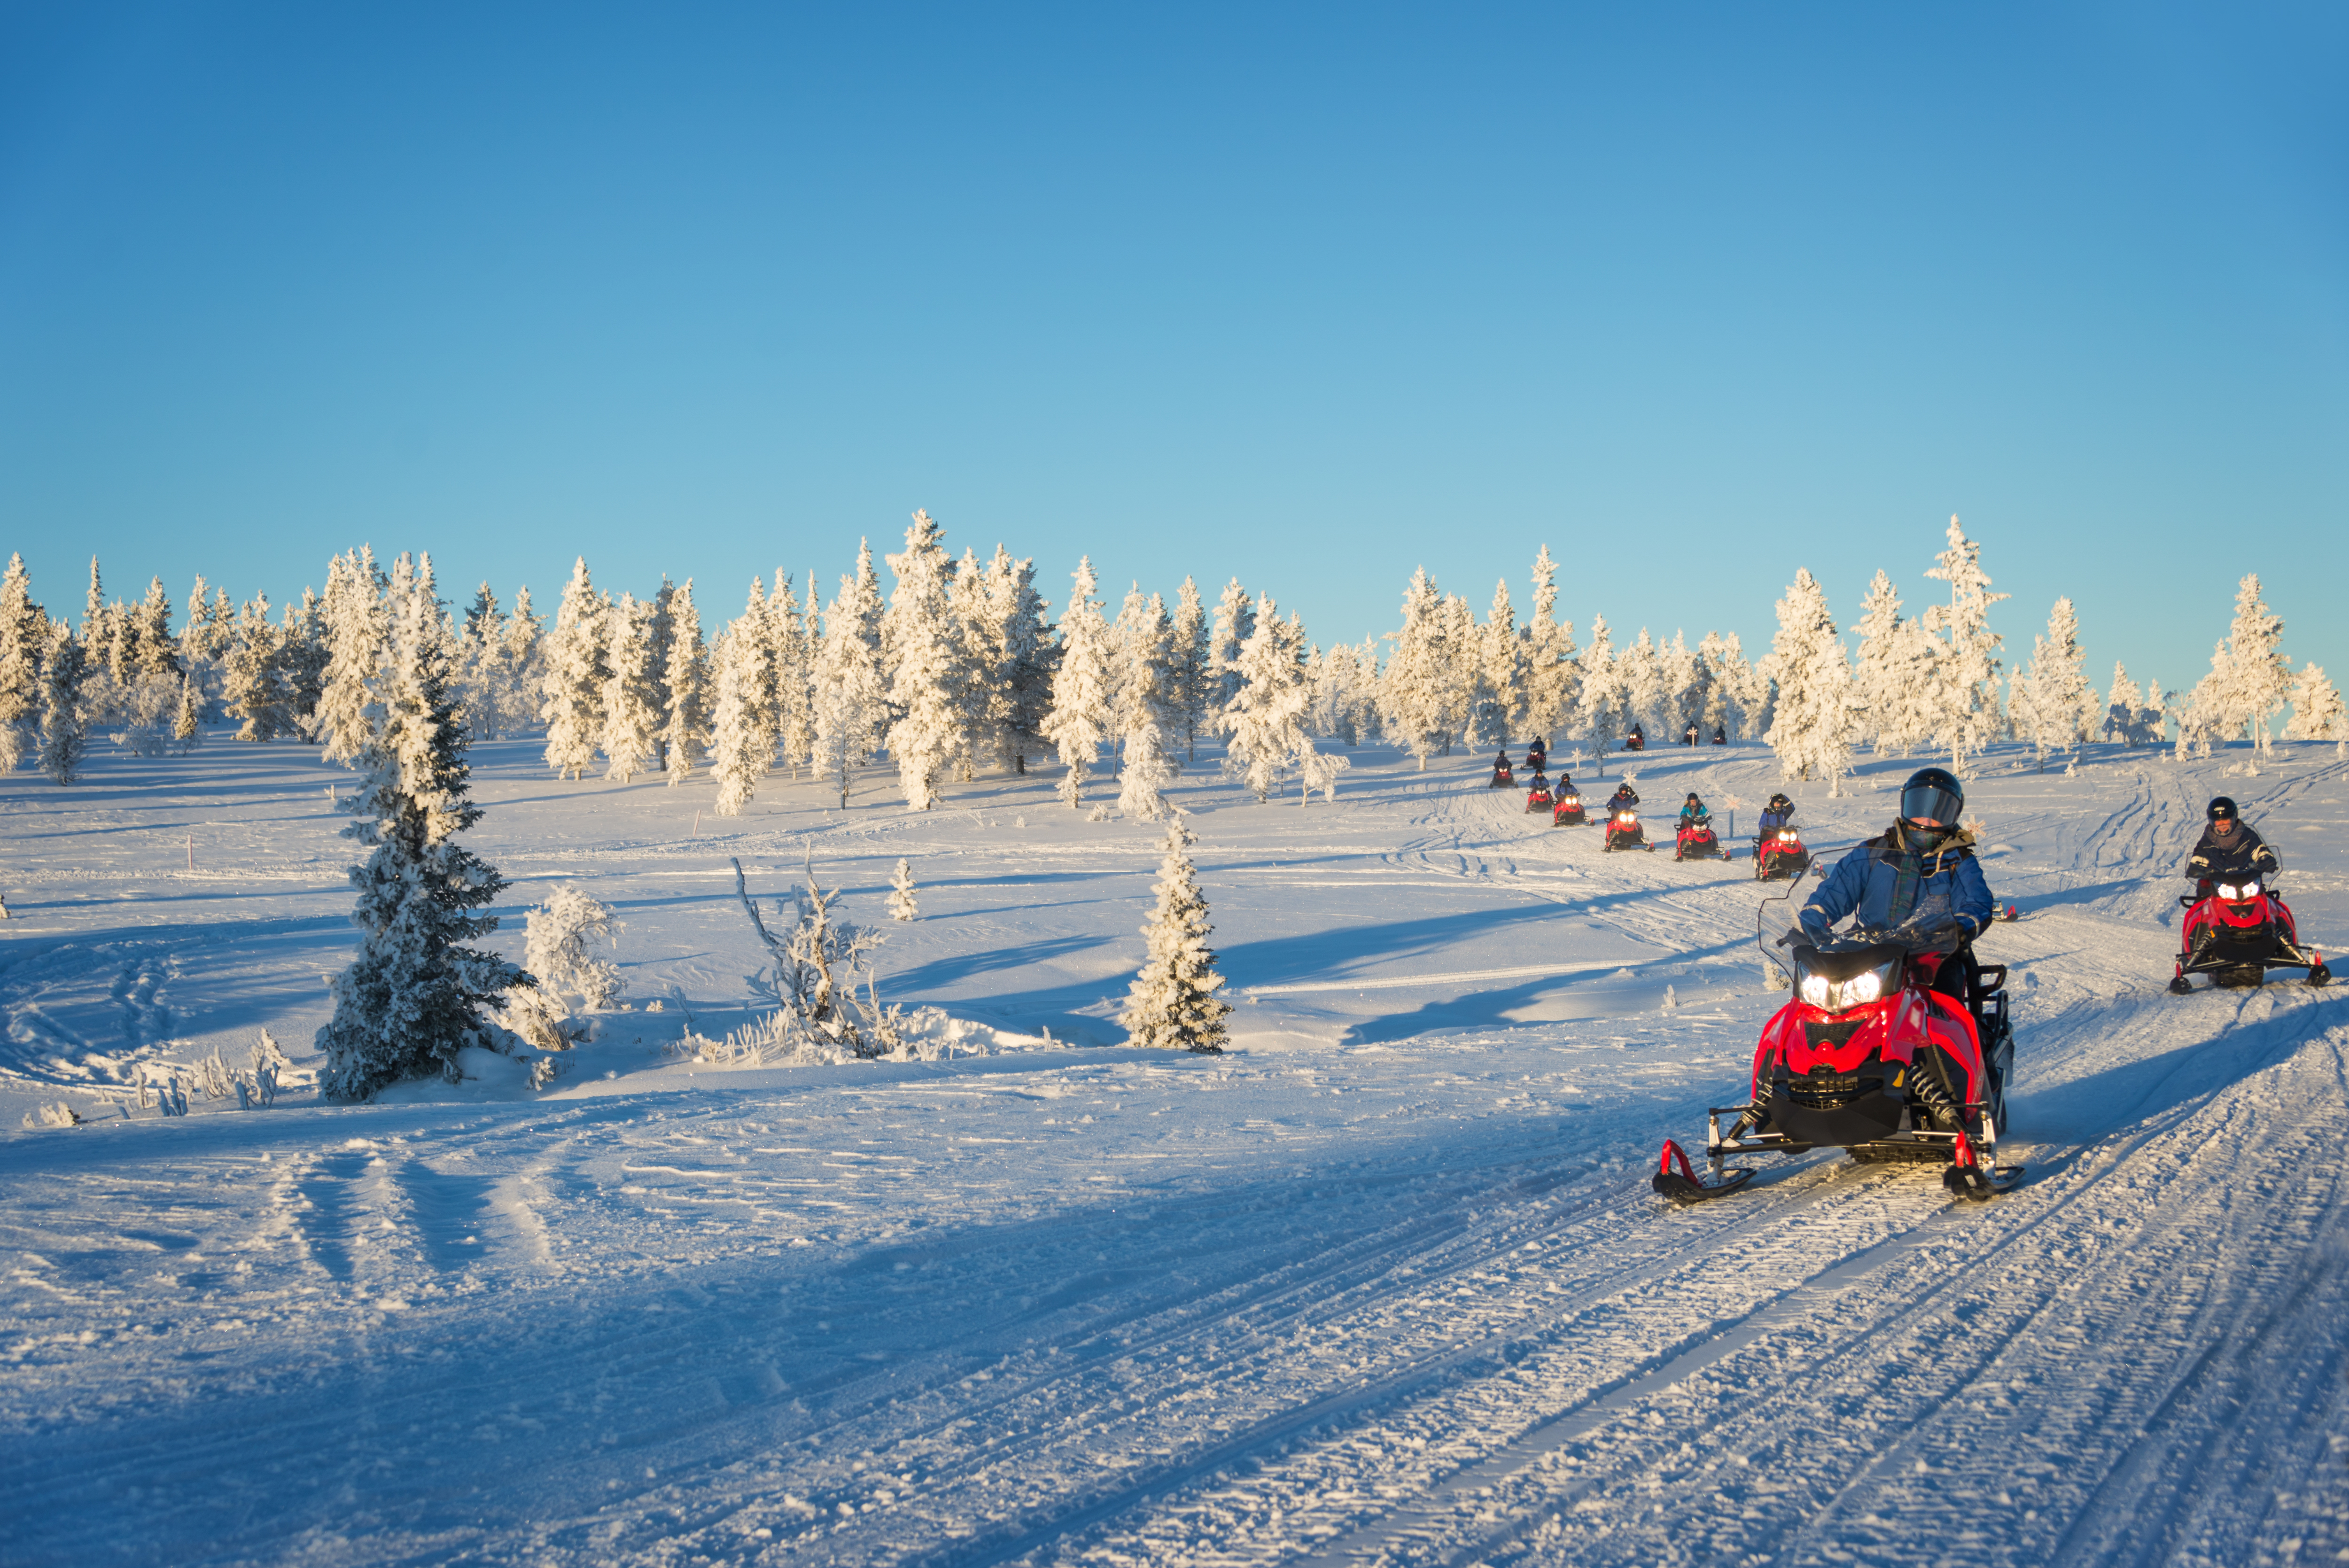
pixel 1603 698
pixel 685 727
pixel 1193 654
pixel 254 686
pixel 1460 673
pixel 576 672
pixel 411 999
pixel 23 634
pixel 64 725
pixel 525 638
pixel 158 651
pixel 1647 696
pixel 2249 678
pixel 2316 710
pixel 849 706
pixel 2124 708
pixel 1145 679
pixel 481 678
pixel 357 629
pixel 742 727
pixel 1411 690
pixel 1080 718
pixel 787 669
pixel 1023 693
pixel 1266 718
pixel 1967 715
pixel 663 633
pixel 1497 704
pixel 2049 699
pixel 1690 680
pixel 926 674
pixel 985 687
pixel 1551 674
pixel 1875 690
pixel 903 904
pixel 1173 1004
pixel 632 716
pixel 1142 784
pixel 1813 731
pixel 1233 624
pixel 304 648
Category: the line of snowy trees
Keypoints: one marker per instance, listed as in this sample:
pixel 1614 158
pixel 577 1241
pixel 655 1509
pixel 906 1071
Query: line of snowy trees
pixel 1931 681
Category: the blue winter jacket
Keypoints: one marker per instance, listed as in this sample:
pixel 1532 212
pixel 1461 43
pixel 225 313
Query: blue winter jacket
pixel 1884 882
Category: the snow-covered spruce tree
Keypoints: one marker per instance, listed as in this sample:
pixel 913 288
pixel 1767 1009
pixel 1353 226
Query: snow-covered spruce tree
pixel 1194 656
pixel 1967 715
pixel 23 632
pixel 1876 692
pixel 685 727
pixel 526 640
pixel 1080 719
pixel 1233 624
pixel 1143 669
pixel 1647 695
pixel 304 648
pixel 1266 718
pixel 1461 671
pixel 158 651
pixel 1551 674
pixel 1173 1004
pixel 2050 702
pixel 2124 704
pixel 411 999
pixel 1813 731
pixel 1496 701
pixel 1411 690
pixel 555 948
pixel 255 687
pixel 849 706
pixel 742 729
pixel 2316 710
pixel 576 672
pixel 1016 634
pixel 357 628
pixel 64 727
pixel 1598 710
pixel 632 717
pixel 788 673
pixel 924 658
pixel 187 723
pixel 903 904
pixel 1141 792
pixel 2249 678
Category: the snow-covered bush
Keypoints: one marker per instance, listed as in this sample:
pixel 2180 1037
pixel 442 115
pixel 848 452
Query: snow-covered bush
pixel 57 1114
pixel 1172 1002
pixel 902 902
pixel 817 969
pixel 555 948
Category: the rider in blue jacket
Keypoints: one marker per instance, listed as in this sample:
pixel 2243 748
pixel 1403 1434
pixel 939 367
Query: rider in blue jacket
pixel 1921 870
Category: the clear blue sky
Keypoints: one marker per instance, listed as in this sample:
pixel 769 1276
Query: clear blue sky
pixel 1310 296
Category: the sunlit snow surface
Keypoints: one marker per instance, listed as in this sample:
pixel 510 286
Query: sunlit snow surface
pixel 1385 1284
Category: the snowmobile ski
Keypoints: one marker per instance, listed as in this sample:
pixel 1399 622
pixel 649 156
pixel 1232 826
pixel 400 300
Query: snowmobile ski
pixel 1968 1178
pixel 1684 1185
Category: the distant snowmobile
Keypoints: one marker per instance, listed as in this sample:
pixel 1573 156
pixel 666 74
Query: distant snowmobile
pixel 1539 798
pixel 1696 842
pixel 1780 854
pixel 1502 777
pixel 1637 740
pixel 2238 931
pixel 1868 1058
pixel 1569 811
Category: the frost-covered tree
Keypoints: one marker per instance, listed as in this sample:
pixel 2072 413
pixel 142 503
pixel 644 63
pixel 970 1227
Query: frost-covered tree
pixel 577 673
pixel 2316 710
pixel 1414 690
pixel 1144 641
pixel 64 725
pixel 1233 624
pixel 1017 635
pixel 23 634
pixel 742 726
pixel 2052 706
pixel 1173 1004
pixel 526 640
pixel 1552 690
pixel 413 998
pixel 1647 693
pixel 255 686
pixel 2249 678
pixel 685 726
pixel 1968 716
pixel 1081 717
pixel 903 904
pixel 1605 695
pixel 159 653
pixel 1811 732
pixel 357 628
pixel 2125 710
pixel 986 663
pixel 1193 652
pixel 850 705
pixel 187 723
pixel 304 649
pixel 789 668
pixel 1266 718
pixel 1498 708
pixel 1142 784
pixel 1343 702
pixel 631 702
pixel 556 947
pixel 924 658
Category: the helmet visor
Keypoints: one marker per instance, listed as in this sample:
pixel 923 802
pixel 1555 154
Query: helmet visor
pixel 1931 802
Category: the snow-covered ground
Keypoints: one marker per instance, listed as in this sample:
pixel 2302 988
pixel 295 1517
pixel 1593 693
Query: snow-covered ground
pixel 1385 1284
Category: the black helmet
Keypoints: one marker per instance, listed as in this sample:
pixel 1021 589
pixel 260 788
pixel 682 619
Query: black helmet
pixel 1934 794
pixel 2222 809
pixel 1692 794
pixel 1780 800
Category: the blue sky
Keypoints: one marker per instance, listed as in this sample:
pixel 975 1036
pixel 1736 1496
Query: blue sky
pixel 1307 295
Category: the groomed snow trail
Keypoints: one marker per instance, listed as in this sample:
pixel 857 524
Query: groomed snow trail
pixel 1385 1286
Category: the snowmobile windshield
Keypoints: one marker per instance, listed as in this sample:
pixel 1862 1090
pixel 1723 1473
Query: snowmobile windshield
pixel 1932 802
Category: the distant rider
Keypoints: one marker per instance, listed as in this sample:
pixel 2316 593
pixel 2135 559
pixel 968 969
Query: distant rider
pixel 1920 871
pixel 1537 756
pixel 1624 796
pixel 1692 812
pixel 1718 738
pixel 2229 850
pixel 1776 815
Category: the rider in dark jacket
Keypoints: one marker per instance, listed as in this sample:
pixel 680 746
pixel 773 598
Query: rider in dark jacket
pixel 2229 850
pixel 1921 870
pixel 1775 815
pixel 1536 757
pixel 1624 796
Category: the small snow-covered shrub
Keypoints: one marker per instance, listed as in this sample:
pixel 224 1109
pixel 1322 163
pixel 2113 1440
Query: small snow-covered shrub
pixel 59 1114
pixel 902 904
pixel 213 1079
pixel 556 948
pixel 818 968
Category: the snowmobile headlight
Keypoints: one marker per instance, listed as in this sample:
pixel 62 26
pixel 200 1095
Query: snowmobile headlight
pixel 2228 891
pixel 1861 988
pixel 1574 800
pixel 2251 887
pixel 1785 835
pixel 1815 990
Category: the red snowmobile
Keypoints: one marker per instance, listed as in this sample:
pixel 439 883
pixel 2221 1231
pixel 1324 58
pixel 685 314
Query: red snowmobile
pixel 1780 853
pixel 1696 842
pixel 1637 740
pixel 1568 813
pixel 1868 1059
pixel 1623 832
pixel 2238 931
pixel 1538 799
pixel 1502 777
